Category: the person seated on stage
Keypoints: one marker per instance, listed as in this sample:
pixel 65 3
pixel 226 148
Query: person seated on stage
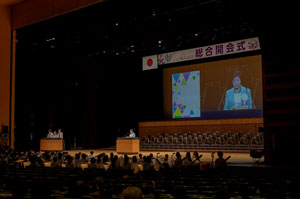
pixel 131 134
pixel 50 134
pixel 220 161
pixel 55 134
pixel 60 134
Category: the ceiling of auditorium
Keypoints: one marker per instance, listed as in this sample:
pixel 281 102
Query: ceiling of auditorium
pixel 156 26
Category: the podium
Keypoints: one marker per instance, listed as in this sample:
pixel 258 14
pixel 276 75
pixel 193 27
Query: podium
pixel 128 145
pixel 52 144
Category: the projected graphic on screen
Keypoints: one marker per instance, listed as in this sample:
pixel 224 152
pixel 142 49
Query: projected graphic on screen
pixel 186 94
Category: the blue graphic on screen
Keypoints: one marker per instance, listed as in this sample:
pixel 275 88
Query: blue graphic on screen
pixel 186 94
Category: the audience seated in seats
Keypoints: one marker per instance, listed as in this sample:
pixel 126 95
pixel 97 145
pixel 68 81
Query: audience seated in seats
pixel 178 160
pixel 147 164
pixel 77 160
pixel 91 155
pixel 54 163
pixel 156 164
pixel 69 162
pixel 187 160
pixel 106 163
pixel 115 163
pixel 83 159
pixel 132 192
pixel 196 159
pixel 92 164
pixel 111 156
pixel 99 162
pixel 70 182
pixel 126 164
pixel 220 161
pixel 134 165
pixel 59 159
pixel 166 162
pixel 141 159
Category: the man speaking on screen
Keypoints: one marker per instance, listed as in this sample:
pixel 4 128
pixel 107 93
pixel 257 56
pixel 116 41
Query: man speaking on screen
pixel 238 97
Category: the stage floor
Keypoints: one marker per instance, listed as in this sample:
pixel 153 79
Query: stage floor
pixel 237 158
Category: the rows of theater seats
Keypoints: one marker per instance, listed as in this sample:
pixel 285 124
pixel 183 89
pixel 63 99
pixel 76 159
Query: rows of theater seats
pixel 207 140
pixel 63 183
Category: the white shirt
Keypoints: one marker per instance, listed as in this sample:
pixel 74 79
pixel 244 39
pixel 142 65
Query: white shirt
pixel 60 135
pixel 132 135
pixel 50 135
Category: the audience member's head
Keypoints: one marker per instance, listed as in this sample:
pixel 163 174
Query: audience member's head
pixel 134 159
pixel 93 160
pixel 132 192
pixel 220 154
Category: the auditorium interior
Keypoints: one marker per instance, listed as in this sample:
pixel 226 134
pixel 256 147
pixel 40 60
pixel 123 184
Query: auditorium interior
pixel 85 67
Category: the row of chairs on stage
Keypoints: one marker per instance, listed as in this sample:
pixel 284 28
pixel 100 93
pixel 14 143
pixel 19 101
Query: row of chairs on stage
pixel 208 140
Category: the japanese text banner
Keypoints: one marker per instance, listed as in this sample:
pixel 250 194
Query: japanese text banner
pixel 227 48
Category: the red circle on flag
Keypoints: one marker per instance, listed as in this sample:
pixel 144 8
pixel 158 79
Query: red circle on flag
pixel 149 62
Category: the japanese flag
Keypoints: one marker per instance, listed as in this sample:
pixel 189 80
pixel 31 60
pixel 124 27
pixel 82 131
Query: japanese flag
pixel 150 62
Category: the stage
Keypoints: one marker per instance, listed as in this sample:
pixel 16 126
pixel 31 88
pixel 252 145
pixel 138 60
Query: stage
pixel 237 158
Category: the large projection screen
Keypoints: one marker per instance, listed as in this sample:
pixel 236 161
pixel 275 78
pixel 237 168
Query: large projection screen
pixel 221 89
